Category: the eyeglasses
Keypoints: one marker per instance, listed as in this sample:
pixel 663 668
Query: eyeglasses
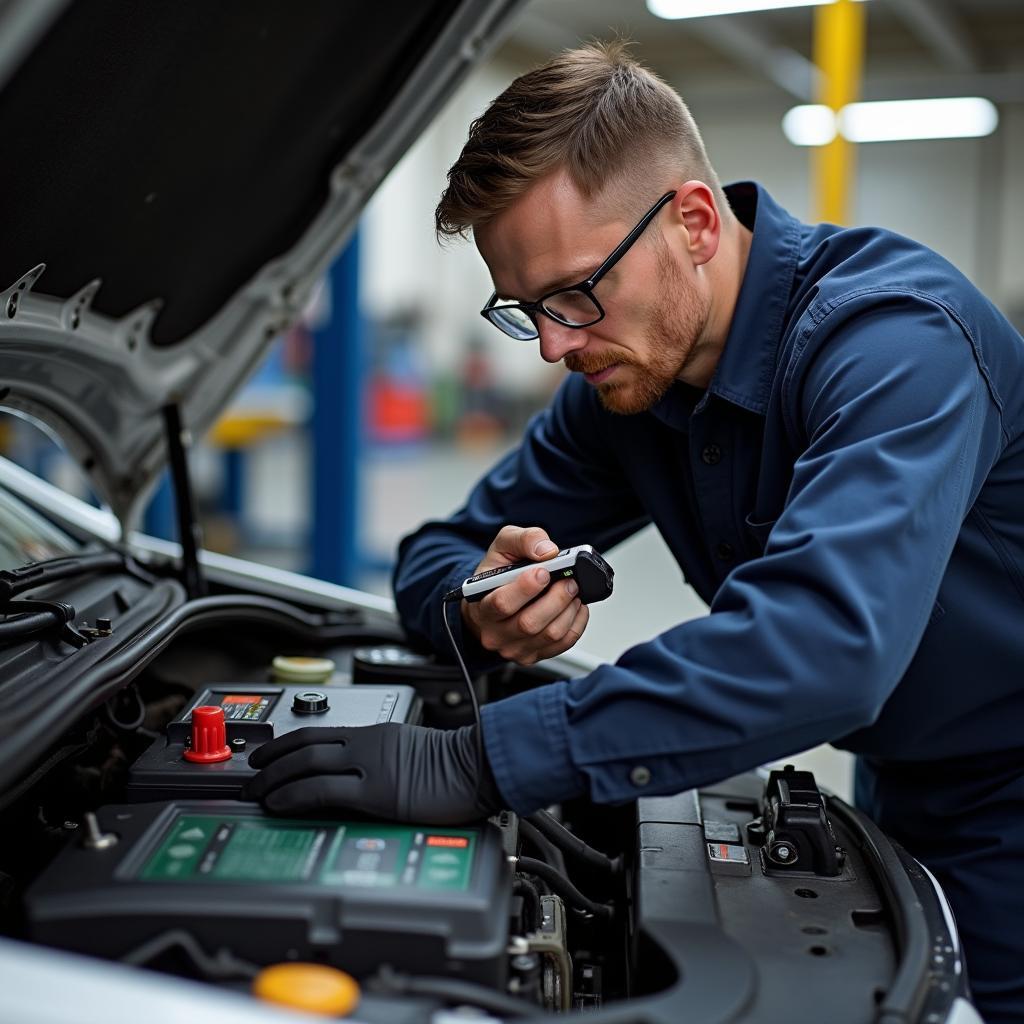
pixel 573 306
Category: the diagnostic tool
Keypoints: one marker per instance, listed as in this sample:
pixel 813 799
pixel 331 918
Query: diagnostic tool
pixel 206 749
pixel 273 889
pixel 593 575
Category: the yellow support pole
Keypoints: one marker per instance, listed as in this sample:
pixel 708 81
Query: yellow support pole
pixel 839 29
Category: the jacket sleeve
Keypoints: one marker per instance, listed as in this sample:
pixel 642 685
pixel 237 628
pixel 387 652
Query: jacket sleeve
pixel 805 643
pixel 563 477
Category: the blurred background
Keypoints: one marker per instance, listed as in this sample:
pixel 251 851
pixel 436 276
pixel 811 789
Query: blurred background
pixel 290 479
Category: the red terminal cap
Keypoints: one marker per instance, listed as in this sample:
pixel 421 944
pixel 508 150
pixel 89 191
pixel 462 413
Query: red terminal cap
pixel 209 737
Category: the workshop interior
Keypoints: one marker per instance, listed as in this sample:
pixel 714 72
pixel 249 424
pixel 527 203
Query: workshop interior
pixel 236 367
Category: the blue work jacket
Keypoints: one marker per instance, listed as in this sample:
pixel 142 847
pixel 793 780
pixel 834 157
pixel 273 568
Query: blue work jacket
pixel 848 496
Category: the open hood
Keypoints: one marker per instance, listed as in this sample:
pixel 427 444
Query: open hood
pixel 176 177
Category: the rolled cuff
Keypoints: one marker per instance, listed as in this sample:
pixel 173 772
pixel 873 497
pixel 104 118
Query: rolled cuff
pixel 526 738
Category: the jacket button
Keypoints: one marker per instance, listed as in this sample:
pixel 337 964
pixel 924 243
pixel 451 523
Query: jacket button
pixel 640 775
pixel 711 455
pixel 726 552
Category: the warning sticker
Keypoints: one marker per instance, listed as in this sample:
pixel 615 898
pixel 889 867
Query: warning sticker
pixel 244 707
pixel 726 852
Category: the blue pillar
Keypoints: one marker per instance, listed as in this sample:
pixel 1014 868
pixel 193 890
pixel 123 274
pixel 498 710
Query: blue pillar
pixel 159 520
pixel 233 499
pixel 337 424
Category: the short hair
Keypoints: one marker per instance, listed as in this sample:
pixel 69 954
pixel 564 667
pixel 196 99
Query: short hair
pixel 595 112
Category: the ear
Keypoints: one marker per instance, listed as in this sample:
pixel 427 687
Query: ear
pixel 696 211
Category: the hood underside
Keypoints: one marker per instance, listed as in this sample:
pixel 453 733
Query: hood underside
pixel 178 175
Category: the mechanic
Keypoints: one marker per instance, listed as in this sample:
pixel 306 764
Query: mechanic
pixel 825 425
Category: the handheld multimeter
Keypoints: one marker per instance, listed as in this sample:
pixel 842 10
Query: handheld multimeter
pixel 593 575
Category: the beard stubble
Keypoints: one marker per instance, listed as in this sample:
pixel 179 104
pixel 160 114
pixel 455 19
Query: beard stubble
pixel 672 329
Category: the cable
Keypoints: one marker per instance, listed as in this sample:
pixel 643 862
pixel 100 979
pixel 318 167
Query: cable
pixel 447 602
pixel 140 711
pixel 522 886
pixel 21 626
pixel 452 991
pixel 223 964
pixel 26 618
pixel 548 851
pixel 557 833
pixel 564 888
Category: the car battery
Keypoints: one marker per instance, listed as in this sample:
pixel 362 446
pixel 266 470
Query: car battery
pixel 252 715
pixel 352 894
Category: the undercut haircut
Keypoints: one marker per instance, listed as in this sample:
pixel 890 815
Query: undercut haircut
pixel 617 130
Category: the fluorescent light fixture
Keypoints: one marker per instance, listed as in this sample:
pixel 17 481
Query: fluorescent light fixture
pixel 810 124
pixel 674 9
pixel 961 117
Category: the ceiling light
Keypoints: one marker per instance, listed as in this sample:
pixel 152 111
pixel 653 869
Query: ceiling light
pixel 674 9
pixel 810 124
pixel 961 117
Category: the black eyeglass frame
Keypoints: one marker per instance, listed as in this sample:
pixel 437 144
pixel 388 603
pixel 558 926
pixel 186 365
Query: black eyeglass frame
pixel 532 309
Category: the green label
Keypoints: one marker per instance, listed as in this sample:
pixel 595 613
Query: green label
pixel 180 852
pixel 248 849
pixel 445 867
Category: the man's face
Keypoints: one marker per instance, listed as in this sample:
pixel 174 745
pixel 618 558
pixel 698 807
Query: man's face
pixel 654 311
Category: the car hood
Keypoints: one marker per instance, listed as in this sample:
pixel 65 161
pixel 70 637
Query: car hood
pixel 177 176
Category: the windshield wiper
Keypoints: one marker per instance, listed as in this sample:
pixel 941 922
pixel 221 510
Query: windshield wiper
pixel 27 618
pixel 36 574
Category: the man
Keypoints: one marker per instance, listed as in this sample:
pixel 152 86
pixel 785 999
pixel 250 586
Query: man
pixel 826 427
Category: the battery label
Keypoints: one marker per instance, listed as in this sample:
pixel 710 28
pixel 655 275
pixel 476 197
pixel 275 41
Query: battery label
pixel 248 849
pixel 242 707
pixel 237 850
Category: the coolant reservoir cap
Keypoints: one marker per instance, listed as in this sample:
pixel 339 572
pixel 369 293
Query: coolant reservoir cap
pixel 292 669
pixel 315 988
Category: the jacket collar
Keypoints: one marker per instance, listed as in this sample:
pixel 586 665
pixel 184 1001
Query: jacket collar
pixel 747 365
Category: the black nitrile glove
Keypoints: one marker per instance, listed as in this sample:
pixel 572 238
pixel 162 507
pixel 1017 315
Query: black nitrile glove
pixel 398 772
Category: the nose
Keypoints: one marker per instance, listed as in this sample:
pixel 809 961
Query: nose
pixel 557 340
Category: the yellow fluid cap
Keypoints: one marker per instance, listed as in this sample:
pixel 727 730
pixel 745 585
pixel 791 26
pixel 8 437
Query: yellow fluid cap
pixel 302 670
pixel 314 988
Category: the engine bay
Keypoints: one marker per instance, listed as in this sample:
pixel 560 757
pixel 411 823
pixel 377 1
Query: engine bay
pixel 122 842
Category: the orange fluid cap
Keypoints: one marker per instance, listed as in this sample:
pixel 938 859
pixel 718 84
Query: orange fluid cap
pixel 314 988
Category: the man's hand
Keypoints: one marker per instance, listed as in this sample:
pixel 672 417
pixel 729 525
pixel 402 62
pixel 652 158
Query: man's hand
pixel 398 772
pixel 512 620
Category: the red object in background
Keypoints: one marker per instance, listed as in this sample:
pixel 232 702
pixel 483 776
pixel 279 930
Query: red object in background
pixel 209 737
pixel 398 411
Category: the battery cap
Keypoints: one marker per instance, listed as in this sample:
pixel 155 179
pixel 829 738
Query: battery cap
pixel 293 669
pixel 310 702
pixel 209 736
pixel 314 988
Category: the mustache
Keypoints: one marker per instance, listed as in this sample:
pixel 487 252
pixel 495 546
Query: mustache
pixel 578 362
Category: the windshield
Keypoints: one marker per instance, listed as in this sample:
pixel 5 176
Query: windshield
pixel 25 536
